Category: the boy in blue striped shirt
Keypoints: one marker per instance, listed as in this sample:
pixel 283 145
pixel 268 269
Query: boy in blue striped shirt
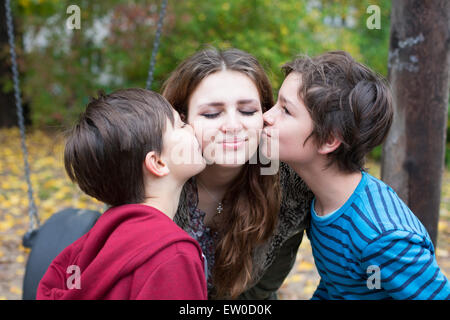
pixel 367 244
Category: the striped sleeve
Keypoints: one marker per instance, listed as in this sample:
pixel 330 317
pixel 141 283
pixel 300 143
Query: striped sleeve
pixel 321 292
pixel 407 266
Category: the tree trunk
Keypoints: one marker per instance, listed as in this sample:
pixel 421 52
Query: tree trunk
pixel 413 155
pixel 8 113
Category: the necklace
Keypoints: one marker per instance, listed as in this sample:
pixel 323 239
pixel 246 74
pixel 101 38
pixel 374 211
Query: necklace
pixel 219 208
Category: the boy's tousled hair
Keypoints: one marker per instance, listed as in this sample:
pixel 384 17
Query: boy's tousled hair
pixel 347 100
pixel 106 148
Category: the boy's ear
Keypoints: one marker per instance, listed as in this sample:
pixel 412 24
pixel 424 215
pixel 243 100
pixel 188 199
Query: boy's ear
pixel 155 165
pixel 330 145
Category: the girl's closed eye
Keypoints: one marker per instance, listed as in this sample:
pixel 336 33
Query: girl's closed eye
pixel 211 115
pixel 286 110
pixel 248 113
pixel 215 115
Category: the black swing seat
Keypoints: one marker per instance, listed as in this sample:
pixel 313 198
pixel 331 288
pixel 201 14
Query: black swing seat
pixel 60 230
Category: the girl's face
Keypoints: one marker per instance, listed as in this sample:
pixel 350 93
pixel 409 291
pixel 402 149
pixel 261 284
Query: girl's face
pixel 287 125
pixel 225 112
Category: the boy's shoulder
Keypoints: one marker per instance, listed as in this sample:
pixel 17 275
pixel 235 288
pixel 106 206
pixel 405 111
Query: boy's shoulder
pixel 138 233
pixel 145 224
pixel 376 185
pixel 125 241
pixel 380 210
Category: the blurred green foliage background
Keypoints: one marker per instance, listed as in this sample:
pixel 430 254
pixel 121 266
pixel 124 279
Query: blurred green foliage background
pixel 61 68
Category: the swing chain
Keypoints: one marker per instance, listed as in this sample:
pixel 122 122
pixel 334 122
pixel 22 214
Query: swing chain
pixel 156 42
pixel 34 223
pixel 34 219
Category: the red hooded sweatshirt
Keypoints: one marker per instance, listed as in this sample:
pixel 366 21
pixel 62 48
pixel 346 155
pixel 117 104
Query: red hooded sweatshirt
pixel 133 252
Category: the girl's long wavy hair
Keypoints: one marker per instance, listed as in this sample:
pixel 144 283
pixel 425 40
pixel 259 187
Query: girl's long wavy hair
pixel 253 200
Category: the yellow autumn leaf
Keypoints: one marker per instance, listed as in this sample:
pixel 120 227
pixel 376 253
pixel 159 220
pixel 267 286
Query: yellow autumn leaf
pixel 6 185
pixel 441 253
pixel 6 204
pixel 295 278
pixel 20 232
pixel 82 205
pixel 309 289
pixel 6 225
pixel 15 290
pixel 24 249
pixel 16 211
pixel 305 266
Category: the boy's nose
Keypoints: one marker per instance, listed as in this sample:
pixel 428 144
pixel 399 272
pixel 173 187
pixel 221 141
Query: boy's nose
pixel 268 118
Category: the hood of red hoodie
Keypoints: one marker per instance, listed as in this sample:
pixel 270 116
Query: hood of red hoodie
pixel 120 241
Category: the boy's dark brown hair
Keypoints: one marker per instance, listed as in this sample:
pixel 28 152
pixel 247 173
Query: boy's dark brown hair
pixel 106 148
pixel 347 100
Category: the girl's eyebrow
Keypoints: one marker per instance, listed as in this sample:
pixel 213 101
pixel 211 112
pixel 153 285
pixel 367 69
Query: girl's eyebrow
pixel 247 101
pixel 211 104
pixel 221 104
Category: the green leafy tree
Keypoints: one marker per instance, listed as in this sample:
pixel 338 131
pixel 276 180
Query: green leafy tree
pixel 63 67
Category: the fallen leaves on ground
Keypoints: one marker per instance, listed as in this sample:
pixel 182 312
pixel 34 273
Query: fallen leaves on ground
pixel 52 191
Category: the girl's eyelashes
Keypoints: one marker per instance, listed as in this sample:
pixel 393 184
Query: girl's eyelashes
pixel 211 115
pixel 215 115
pixel 286 110
pixel 248 113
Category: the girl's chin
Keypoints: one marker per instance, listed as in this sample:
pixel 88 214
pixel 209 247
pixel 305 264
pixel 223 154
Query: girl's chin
pixel 226 164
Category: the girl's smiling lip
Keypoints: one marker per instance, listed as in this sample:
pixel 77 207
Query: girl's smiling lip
pixel 234 143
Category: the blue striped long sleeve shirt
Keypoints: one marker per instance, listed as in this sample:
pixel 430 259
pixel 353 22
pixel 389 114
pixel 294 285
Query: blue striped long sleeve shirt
pixel 374 247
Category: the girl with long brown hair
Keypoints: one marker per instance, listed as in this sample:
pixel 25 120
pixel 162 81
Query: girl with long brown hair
pixel 248 224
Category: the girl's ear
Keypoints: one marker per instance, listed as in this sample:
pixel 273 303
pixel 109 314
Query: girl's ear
pixel 155 165
pixel 330 145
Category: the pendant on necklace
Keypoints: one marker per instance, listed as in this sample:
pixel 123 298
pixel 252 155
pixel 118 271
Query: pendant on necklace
pixel 219 208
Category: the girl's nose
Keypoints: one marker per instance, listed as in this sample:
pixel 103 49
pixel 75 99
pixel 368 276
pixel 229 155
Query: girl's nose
pixel 231 124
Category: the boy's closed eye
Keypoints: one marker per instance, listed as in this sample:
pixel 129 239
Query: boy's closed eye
pixel 285 110
pixel 286 105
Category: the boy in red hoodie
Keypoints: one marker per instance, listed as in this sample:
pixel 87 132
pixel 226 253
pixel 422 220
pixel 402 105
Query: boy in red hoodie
pixel 130 150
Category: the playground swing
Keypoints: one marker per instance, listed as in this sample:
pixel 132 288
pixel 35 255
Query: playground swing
pixel 67 225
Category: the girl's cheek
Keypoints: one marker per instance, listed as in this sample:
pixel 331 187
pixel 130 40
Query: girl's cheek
pixel 205 135
pixel 258 122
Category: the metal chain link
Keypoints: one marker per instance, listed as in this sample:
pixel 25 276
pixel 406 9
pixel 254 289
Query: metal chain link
pixel 34 219
pixel 156 42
